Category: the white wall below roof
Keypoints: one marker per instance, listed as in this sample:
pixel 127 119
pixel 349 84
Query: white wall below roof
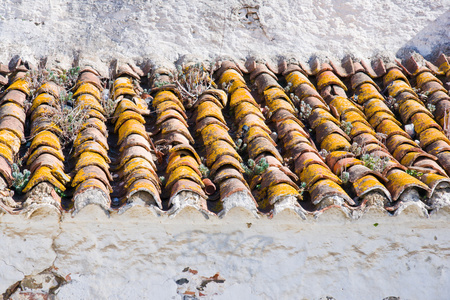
pixel 140 256
pixel 102 30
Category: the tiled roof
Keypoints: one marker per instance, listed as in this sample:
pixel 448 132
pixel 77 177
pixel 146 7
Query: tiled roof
pixel 265 137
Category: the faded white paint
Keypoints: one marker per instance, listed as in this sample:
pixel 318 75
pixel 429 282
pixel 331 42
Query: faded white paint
pixel 138 255
pixel 98 31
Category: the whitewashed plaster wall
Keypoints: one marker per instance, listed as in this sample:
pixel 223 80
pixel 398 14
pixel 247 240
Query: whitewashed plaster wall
pixel 140 256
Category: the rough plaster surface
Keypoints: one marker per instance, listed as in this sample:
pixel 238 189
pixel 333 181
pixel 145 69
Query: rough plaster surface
pixel 98 31
pixel 137 255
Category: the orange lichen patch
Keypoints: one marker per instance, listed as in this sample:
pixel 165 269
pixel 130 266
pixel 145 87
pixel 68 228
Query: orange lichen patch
pixel 396 140
pixel 128 115
pixel 183 172
pixel 319 116
pixel 277 191
pixel 252 120
pixel 88 88
pixel 297 78
pixel 91 134
pixel 389 128
pixel 425 77
pixel 411 107
pixel 433 180
pixel 187 161
pixel 142 173
pixel 398 87
pixel 176 126
pixel 334 142
pixel 92 113
pixel 60 175
pixel 375 106
pixel 229 75
pixel 403 149
pixel 187 185
pixel 352 117
pixel 432 87
pixel 43 174
pixel 366 92
pixel 183 149
pixel 255 132
pixel 213 132
pixel 123 82
pixel 289 125
pixel 131 126
pixel 42 99
pixel 430 136
pixel 136 163
pixel 217 149
pixel 276 94
pixel 20 85
pixel 91 172
pixel 95 123
pixel 10 139
pixel 305 159
pixel 245 108
pixel 394 74
pixel 167 114
pixel 124 91
pixel 327 188
pixel 329 78
pixel 360 128
pixel 92 159
pixel 43 111
pixel 422 122
pixel 13 110
pixel 209 109
pixel 241 95
pixel 279 104
pixel 88 101
pixel 218 94
pixel 293 138
pixel 7 153
pixel 366 184
pixel 399 181
pixel 167 96
pixel 262 145
pixel 169 105
pixel 92 146
pixel 327 128
pixel 135 151
pixel 50 88
pixel 315 172
pixel 361 78
pixel 343 105
pixel 226 160
pixel 45 138
pixel 144 185
pixel 126 104
pixel 208 98
pixel 410 158
pixel 344 164
pixel 14 125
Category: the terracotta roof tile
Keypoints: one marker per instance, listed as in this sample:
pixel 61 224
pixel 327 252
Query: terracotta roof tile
pixel 367 129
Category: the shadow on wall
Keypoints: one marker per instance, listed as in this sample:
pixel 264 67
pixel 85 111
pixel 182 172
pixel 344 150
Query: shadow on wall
pixel 431 40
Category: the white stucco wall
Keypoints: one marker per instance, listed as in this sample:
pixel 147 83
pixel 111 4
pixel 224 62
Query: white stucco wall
pixel 100 30
pixel 140 256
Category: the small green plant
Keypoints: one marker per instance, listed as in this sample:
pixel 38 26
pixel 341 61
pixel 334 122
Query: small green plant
pixel 305 111
pixel 355 148
pixel 295 99
pixel 59 192
pixel 324 153
pixel 252 168
pixel 346 127
pixel 240 145
pixel 302 188
pixel 345 176
pixel 68 118
pixel 20 178
pixel 204 170
pixel 162 179
pixel 288 87
pixel 431 107
pixel 391 102
pixel 374 162
pixel 414 173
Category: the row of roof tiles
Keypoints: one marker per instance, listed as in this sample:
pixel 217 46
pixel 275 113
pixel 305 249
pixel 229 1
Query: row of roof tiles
pixel 264 148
